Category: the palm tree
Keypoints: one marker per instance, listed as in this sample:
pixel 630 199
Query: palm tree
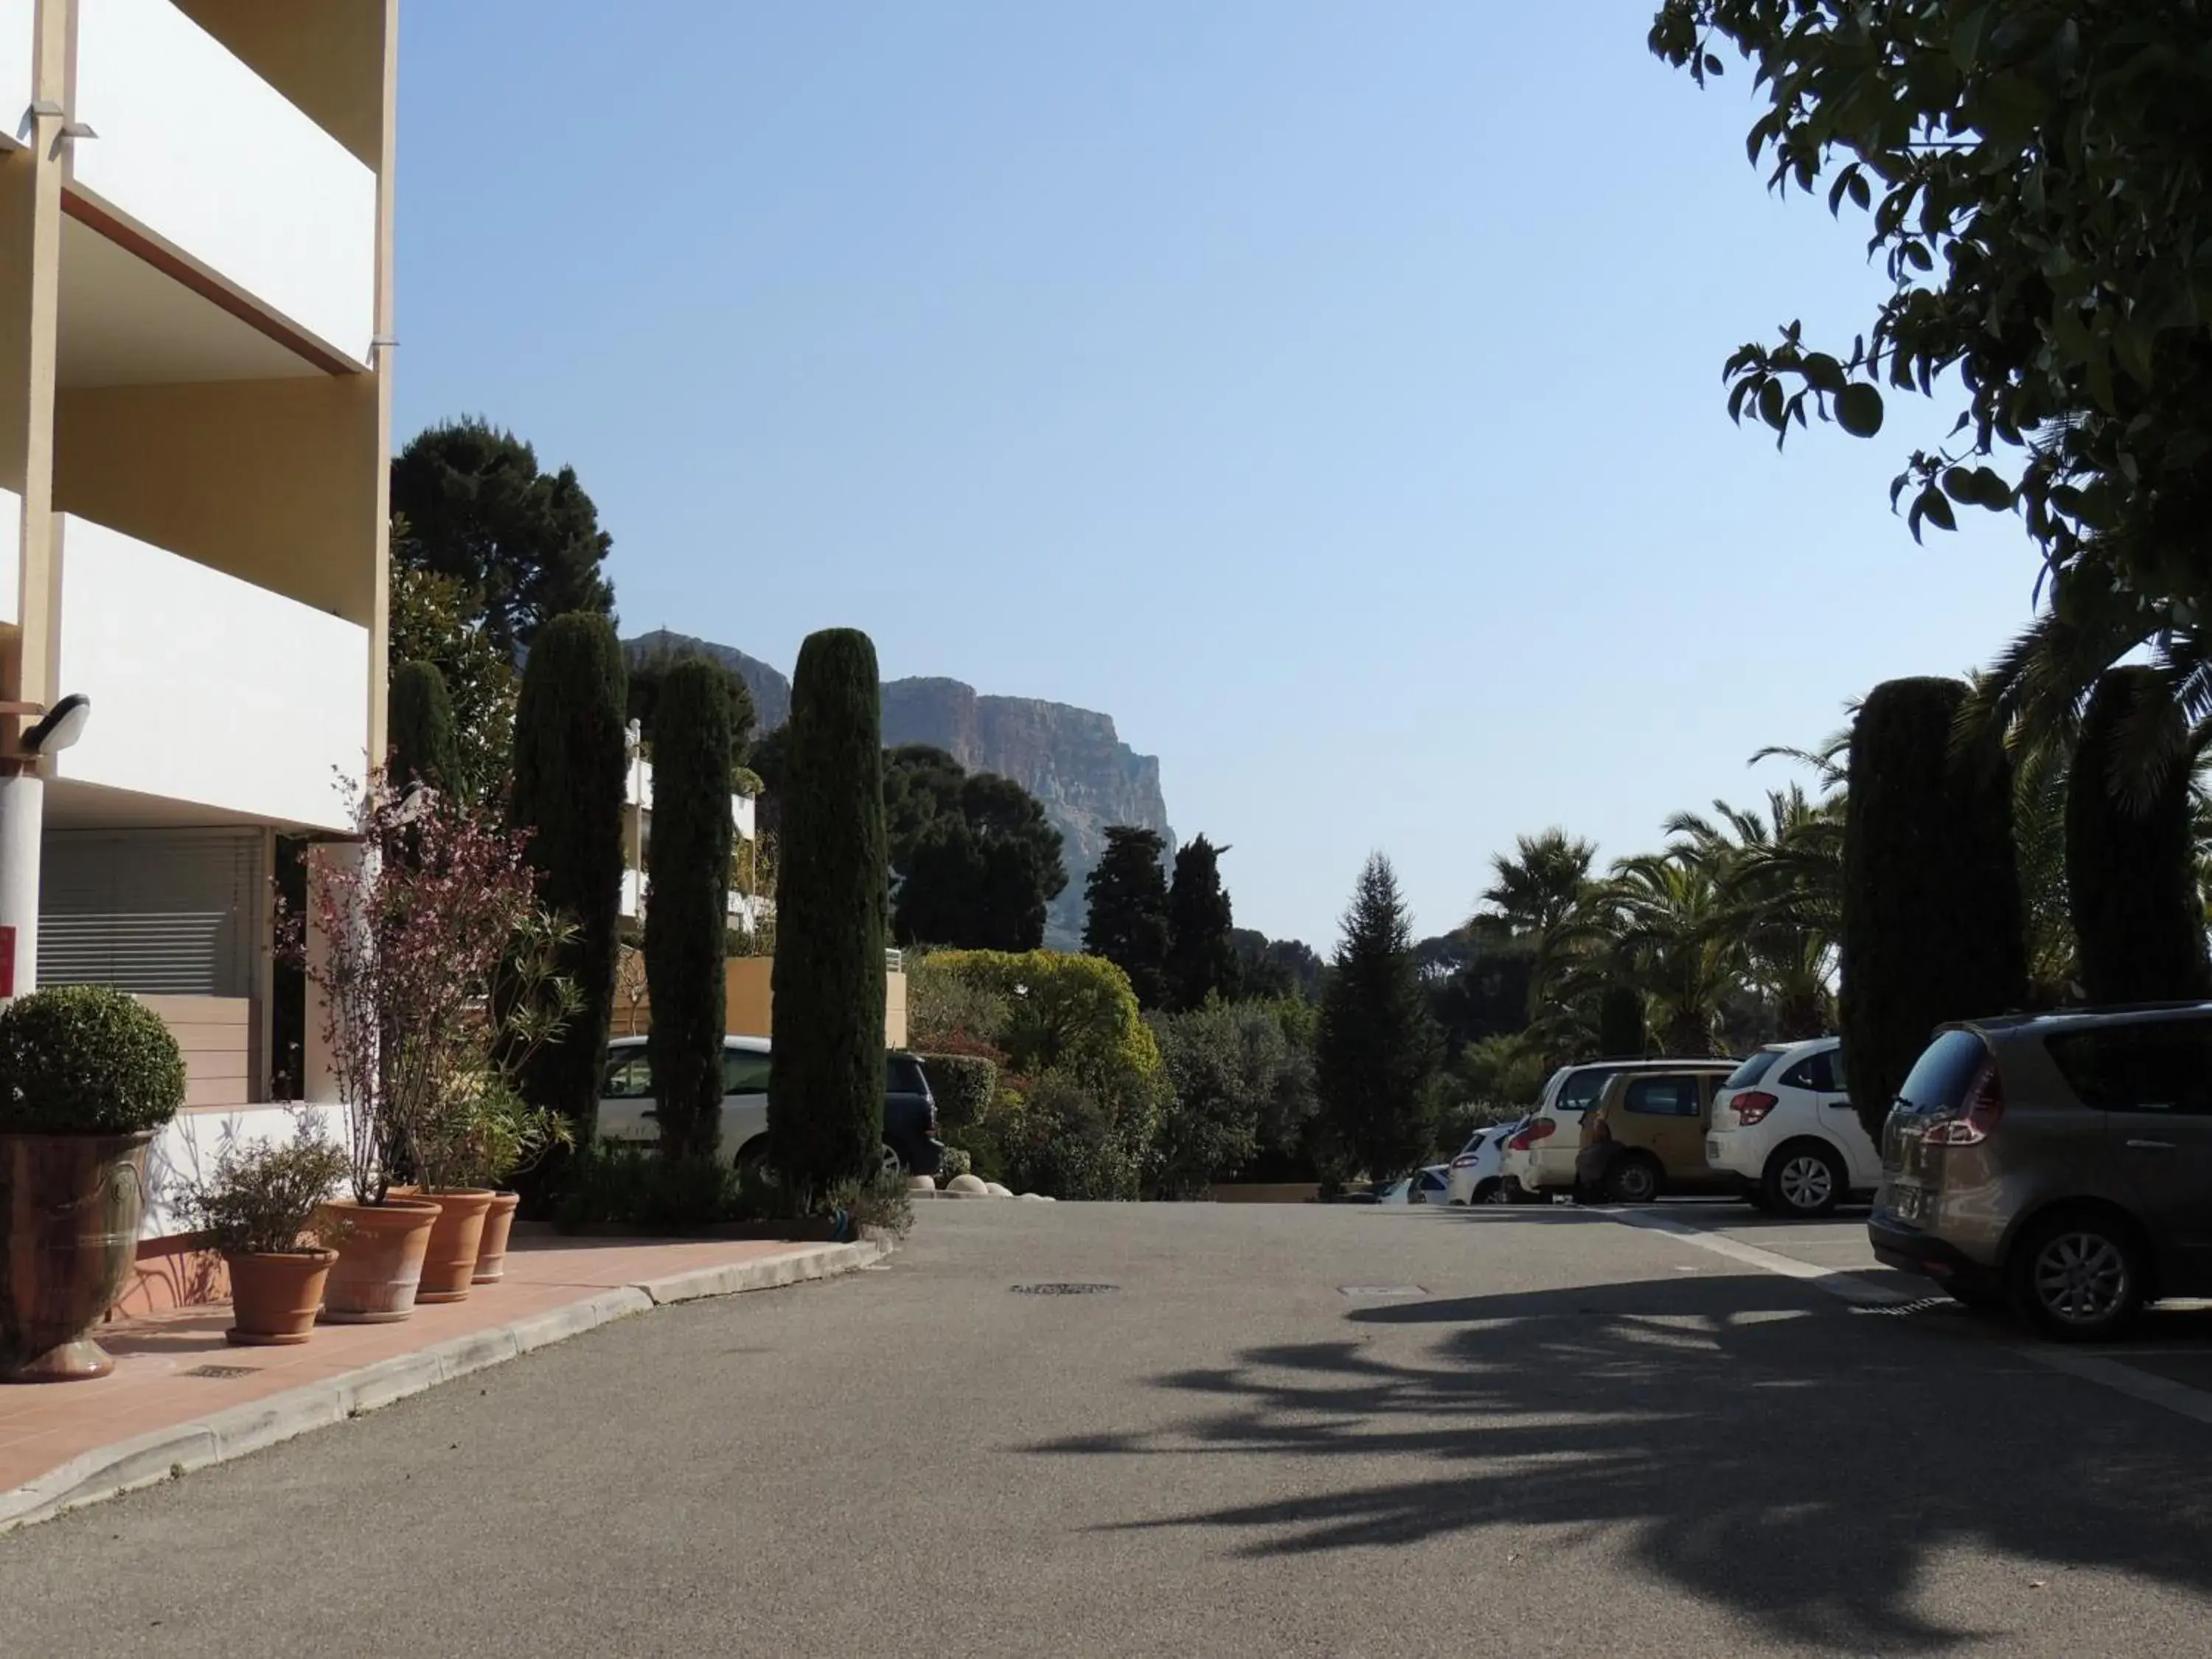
pixel 1671 939
pixel 1780 882
pixel 1539 895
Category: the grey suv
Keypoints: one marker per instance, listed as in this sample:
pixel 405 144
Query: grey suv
pixel 2058 1163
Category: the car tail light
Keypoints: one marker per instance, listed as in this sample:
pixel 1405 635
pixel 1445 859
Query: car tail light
pixel 1519 1143
pixel 1543 1129
pixel 1984 1111
pixel 1753 1105
pixel 1466 1161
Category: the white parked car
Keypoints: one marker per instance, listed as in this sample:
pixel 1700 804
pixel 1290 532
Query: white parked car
pixel 1473 1178
pixel 1539 1159
pixel 1784 1127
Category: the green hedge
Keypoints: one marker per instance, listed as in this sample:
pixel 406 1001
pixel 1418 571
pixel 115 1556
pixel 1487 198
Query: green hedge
pixel 2131 864
pixel 419 714
pixel 86 1059
pixel 1932 922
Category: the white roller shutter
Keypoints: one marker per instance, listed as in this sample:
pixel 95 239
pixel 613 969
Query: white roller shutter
pixel 160 912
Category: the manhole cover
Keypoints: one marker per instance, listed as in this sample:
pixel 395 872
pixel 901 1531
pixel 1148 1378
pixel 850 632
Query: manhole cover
pixel 1903 1309
pixel 1062 1289
pixel 1380 1293
pixel 222 1372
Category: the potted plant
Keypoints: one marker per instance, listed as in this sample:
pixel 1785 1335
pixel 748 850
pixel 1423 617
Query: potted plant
pixel 431 957
pixel 491 1136
pixel 257 1210
pixel 87 1076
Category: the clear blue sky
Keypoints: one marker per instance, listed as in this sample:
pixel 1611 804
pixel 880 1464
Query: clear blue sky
pixel 1330 392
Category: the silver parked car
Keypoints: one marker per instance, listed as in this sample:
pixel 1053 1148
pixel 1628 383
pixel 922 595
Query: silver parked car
pixel 2061 1164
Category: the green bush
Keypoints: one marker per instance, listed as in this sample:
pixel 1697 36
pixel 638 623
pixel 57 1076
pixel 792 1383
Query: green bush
pixel 1931 901
pixel 1063 1012
pixel 610 1185
pixel 687 904
pixel 86 1059
pixel 948 1012
pixel 963 1086
pixel 1069 1140
pixel 880 1199
pixel 260 1200
pixel 2130 863
pixel 954 1165
pixel 825 1096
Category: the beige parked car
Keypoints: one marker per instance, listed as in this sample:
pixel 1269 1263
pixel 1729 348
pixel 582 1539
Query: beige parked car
pixel 1646 1135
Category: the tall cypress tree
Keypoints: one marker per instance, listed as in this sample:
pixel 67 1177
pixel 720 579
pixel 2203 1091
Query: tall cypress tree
pixel 570 760
pixel 1932 928
pixel 1201 959
pixel 421 721
pixel 687 904
pixel 1127 924
pixel 825 1099
pixel 1376 1048
pixel 2130 863
pixel 1621 1031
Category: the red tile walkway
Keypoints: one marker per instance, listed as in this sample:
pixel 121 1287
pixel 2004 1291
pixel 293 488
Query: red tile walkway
pixel 43 1426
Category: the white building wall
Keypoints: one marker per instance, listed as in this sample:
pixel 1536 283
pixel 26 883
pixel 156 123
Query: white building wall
pixel 206 155
pixel 17 20
pixel 205 688
pixel 11 555
pixel 186 1152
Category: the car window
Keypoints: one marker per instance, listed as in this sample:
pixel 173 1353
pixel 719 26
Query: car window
pixel 1947 1068
pixel 902 1076
pixel 1753 1069
pixel 1814 1072
pixel 1663 1097
pixel 1580 1090
pixel 2159 1067
pixel 629 1076
pixel 743 1071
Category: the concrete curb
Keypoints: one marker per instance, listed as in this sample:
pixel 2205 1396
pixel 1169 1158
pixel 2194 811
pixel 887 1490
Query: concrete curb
pixel 164 1454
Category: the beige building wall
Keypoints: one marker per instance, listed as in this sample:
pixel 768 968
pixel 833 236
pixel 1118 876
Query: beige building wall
pixel 14 312
pixel 278 482
pixel 749 1003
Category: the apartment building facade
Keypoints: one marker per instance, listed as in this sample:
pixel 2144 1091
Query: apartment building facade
pixel 195 208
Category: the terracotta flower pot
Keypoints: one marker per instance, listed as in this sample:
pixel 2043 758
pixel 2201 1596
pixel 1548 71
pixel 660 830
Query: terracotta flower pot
pixel 380 1248
pixel 274 1298
pixel 451 1264
pixel 70 1208
pixel 491 1255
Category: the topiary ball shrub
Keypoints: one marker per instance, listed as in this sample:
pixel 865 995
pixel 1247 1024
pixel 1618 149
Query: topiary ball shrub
pixel 86 1059
pixel 963 1086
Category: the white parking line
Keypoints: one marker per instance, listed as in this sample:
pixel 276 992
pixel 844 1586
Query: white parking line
pixel 1847 1287
pixel 2147 1385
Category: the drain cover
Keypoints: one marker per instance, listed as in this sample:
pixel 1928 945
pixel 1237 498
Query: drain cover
pixel 1380 1293
pixel 220 1372
pixel 1905 1310
pixel 1062 1289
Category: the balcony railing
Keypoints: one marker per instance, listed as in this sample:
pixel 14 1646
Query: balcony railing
pixel 201 151
pixel 205 688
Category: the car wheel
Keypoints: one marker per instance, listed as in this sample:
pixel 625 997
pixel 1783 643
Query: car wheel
pixel 1804 1182
pixel 1492 1191
pixel 2077 1277
pixel 893 1166
pixel 1632 1181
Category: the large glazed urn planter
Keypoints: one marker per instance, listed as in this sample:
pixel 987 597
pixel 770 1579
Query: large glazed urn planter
pixel 380 1249
pixel 70 1209
pixel 450 1266
pixel 499 1222
pixel 274 1298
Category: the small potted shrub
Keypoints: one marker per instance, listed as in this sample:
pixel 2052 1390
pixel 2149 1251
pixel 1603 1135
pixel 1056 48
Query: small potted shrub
pixel 491 1136
pixel 257 1211
pixel 87 1076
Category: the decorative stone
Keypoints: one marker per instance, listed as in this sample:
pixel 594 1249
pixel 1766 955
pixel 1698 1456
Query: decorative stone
pixel 921 1184
pixel 997 1191
pixel 967 1186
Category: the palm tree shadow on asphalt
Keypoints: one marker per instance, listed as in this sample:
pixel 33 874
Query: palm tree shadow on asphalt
pixel 1768 1449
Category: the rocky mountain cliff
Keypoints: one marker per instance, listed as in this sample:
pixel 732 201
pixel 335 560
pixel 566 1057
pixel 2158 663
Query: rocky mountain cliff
pixel 1071 759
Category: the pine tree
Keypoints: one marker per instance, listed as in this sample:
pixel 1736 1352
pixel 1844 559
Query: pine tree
pixel 687 904
pixel 1377 1049
pixel 1127 923
pixel 1931 900
pixel 825 1108
pixel 421 720
pixel 570 763
pixel 2131 864
pixel 1201 959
